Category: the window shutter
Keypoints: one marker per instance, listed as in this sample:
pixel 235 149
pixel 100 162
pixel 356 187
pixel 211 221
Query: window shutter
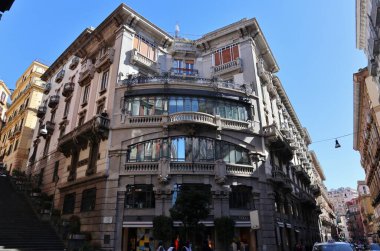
pixel 136 43
pixel 144 49
pixel 226 55
pixel 235 52
pixel 217 58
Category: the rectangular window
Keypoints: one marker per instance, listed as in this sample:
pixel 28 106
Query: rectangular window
pixel 88 200
pixel 104 82
pixel 67 108
pixel 55 172
pixel 100 108
pixel 144 47
pixel 241 197
pixel 139 196
pixel 86 93
pixel 16 145
pixel 52 116
pixel 68 203
pixel 226 54
pixel 81 119
pixel 46 148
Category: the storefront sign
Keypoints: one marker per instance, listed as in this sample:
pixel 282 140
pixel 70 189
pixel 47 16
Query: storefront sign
pixel 254 217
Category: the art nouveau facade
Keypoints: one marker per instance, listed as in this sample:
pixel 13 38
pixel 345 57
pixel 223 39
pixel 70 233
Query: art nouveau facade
pixel 327 218
pixel 21 118
pixel 133 114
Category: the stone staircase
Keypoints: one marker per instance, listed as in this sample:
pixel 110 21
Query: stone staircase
pixel 20 228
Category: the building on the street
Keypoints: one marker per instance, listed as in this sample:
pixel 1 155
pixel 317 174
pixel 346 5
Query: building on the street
pixel 4 100
pixel 366 123
pixel 327 217
pixel 366 97
pixel 339 197
pixel 21 118
pixel 133 115
pixel 354 222
pixel 366 212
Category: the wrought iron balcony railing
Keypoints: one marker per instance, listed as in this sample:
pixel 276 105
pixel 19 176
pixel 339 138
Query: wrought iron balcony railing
pixel 68 88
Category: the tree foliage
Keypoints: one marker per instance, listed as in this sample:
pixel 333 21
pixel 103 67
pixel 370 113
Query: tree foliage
pixel 162 228
pixel 225 230
pixel 192 204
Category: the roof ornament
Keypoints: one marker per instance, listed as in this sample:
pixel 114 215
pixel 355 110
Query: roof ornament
pixel 176 30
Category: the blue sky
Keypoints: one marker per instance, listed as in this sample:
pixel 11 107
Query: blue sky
pixel 312 41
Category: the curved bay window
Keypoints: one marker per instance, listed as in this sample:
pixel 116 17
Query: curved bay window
pixel 139 196
pixel 241 197
pixel 145 106
pixel 189 149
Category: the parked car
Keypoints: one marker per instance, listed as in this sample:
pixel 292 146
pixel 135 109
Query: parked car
pixel 373 246
pixel 333 246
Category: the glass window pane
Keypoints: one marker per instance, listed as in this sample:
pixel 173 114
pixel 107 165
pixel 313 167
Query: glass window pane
pixel 210 150
pixel 181 149
pixel 228 111
pixel 226 153
pixel 189 149
pixel 172 105
pixel 158 106
pixel 232 155
pixel 180 104
pixel 165 148
pixel 155 153
pixel 140 152
pixel 239 157
pixel 203 149
pixel 173 149
pixel 133 153
pixel 148 151
pixel 194 105
pixel 244 157
pixel 202 105
pixel 195 149
pixel 210 107
pixel 187 107
pixel 235 113
pixel 135 107
pixel 151 106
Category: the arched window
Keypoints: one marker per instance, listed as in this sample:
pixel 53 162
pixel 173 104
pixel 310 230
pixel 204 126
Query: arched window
pixel 188 149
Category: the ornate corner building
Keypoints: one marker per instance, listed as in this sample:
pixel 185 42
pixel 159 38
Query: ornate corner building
pixel 130 114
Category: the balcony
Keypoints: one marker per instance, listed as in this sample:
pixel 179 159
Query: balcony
pixel 105 60
pixel 68 88
pixel 134 80
pixel 41 111
pixel 183 48
pixel 316 190
pixel 192 118
pixel 47 88
pixel 142 61
pixel 53 101
pixel 74 63
pixel 288 184
pixel 86 74
pixel 96 128
pixel 60 76
pixel 278 176
pixel 277 140
pixel 50 127
pixel 183 72
pixel 300 171
pixel 232 66
pixel 190 168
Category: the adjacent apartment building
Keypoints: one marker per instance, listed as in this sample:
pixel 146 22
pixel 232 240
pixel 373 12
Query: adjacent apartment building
pixel 367 212
pixel 21 118
pixel 4 100
pixel 132 115
pixel 339 197
pixel 354 222
pixel 366 98
pixel 327 217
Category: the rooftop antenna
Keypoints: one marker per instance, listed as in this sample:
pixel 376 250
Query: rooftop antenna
pixel 176 30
